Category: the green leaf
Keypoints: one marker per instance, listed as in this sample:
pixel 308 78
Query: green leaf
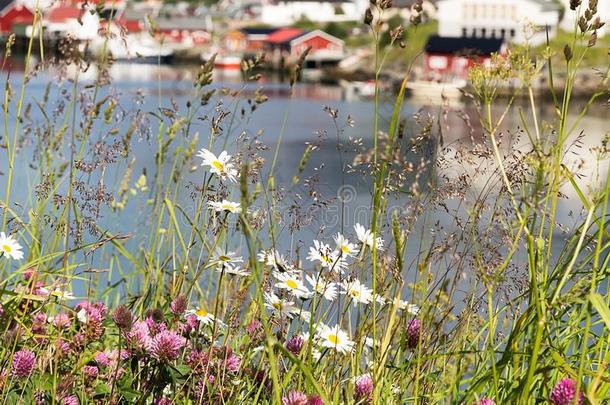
pixel 598 302
pixel 102 389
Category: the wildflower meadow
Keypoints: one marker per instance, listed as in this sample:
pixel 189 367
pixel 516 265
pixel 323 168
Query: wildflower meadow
pixel 191 273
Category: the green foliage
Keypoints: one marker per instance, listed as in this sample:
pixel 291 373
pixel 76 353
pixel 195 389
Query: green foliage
pixel 504 302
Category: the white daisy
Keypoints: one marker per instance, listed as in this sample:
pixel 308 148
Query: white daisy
pixel 305 315
pixel 220 165
pixel 232 269
pixel 321 252
pixel 334 338
pixel 359 292
pixel 202 315
pixel 9 247
pixel 345 246
pixel 274 259
pixel 323 287
pixel 225 205
pixel 222 258
pixel 369 342
pixel 279 306
pixel 406 306
pixel 293 283
pixel 365 237
pixel 62 295
pixel 380 299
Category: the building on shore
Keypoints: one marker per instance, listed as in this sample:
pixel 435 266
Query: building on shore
pixel 517 21
pixel 76 21
pixel 15 17
pixel 449 59
pixel 288 44
pixel 286 12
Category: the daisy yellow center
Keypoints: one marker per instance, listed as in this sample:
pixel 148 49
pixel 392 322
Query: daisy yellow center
pixel 334 339
pixel 201 312
pixel 292 284
pixel 354 293
pixel 277 305
pixel 6 248
pixel 227 207
pixel 217 164
pixel 344 249
pixel 224 258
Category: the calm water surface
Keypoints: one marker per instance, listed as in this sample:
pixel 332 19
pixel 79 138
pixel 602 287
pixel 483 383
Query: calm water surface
pixel 149 87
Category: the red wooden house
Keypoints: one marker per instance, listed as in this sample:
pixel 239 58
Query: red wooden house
pixel 449 57
pixel 321 44
pixel 13 14
pixel 325 49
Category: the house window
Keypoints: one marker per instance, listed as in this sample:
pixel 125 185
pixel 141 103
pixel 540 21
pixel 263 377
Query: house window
pixel 493 33
pixel 475 11
pixel 502 33
pixel 474 32
pixel 512 33
pixel 483 32
pixel 464 32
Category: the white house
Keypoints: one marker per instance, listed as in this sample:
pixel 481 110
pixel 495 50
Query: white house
pixel 64 19
pixel 509 19
pixel 286 12
pixel 603 12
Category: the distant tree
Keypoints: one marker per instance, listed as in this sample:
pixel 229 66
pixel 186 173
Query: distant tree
pixel 337 29
pixel 305 23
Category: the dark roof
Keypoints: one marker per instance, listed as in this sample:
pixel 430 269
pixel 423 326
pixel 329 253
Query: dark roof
pixel 139 14
pixel 258 31
pixel 5 3
pixel 463 46
pixel 185 23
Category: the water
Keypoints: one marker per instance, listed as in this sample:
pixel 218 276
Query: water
pixel 147 88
